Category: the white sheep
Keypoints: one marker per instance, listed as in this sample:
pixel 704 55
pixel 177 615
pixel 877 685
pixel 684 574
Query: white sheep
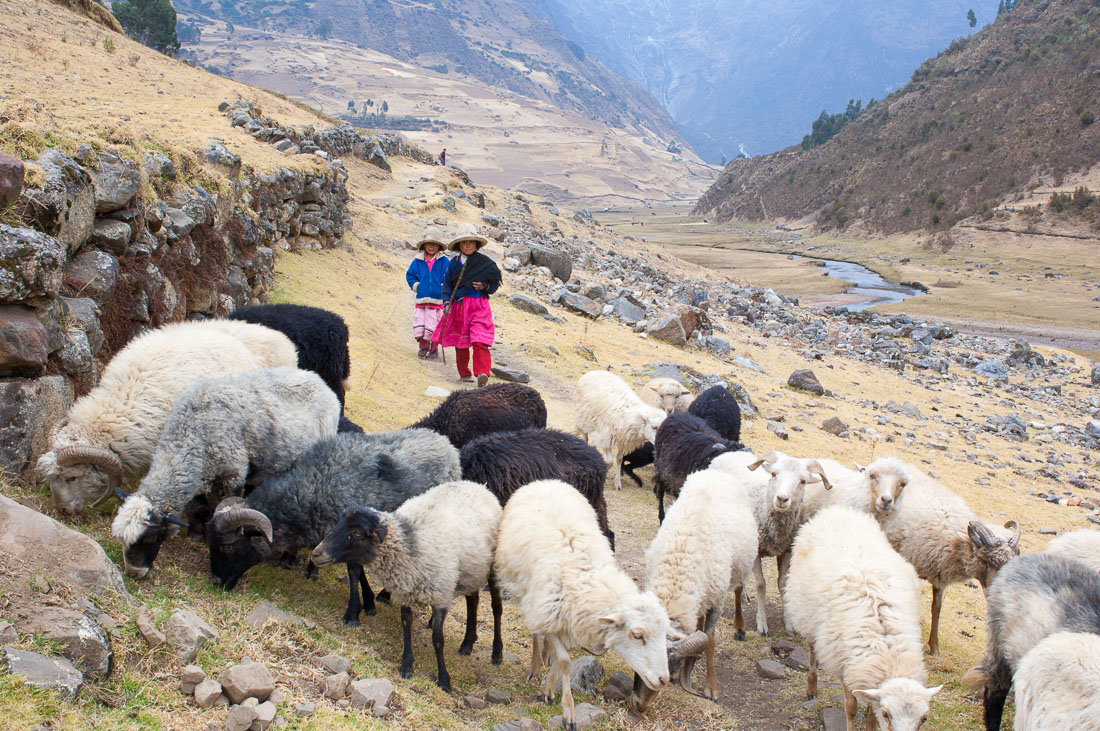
pixel 706 543
pixel 864 488
pixel 435 547
pixel 1058 684
pixel 944 540
pixel 667 394
pixel 554 562
pixel 857 603
pixel 777 494
pixel 1083 545
pixel 611 417
pixel 110 434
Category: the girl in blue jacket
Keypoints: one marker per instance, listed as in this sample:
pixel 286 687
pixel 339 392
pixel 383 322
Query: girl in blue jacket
pixel 425 277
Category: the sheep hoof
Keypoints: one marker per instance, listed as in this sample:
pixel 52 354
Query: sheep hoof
pixel 739 635
pixel 497 659
pixel 405 673
pixel 465 649
pixel 370 612
pixel 351 621
pixel 811 696
pixel 444 684
pixel 711 694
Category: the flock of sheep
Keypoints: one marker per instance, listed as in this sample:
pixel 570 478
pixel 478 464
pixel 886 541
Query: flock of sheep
pixel 237 431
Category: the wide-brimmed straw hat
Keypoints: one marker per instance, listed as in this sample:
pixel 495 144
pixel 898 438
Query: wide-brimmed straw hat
pixel 467 232
pixel 432 235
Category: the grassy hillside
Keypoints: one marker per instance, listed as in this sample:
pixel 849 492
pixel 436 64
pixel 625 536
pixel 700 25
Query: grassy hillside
pixel 996 114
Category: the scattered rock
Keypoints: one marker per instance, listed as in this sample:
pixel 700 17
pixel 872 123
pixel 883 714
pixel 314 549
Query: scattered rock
pixel 91 274
pixel 472 701
pixel 240 718
pixel 12 173
pixel 207 693
pixel 187 632
pixel 24 342
pixel 248 680
pixel 1092 429
pixel 833 719
pixel 436 392
pixel 31 265
pixel 498 696
pixel 667 326
pixel 520 724
pixel 305 709
pixel 586 714
pixel 619 686
pixel 527 304
pixel 372 693
pixel 336 663
pixel 265 612
pixel 585 675
pixel 718 346
pixel 992 368
pixel 594 291
pixel 335 686
pixel 1096 374
pixel 577 303
pixel 265 715
pixel 48 673
pixel 835 426
pixel 115 180
pixel 153 636
pixel 8 635
pixel 799 659
pixel 805 380
pixel 190 677
pixel 771 670
pixel 778 429
pixel 511 374
pixel 628 312
pixel 558 263
pixel 585 352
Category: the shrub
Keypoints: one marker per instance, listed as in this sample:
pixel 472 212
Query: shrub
pixel 1087 117
pixel 109 45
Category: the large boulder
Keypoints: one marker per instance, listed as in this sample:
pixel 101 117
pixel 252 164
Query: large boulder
pixel 24 342
pixel 805 380
pixel 48 673
pixel 78 637
pixel 116 181
pixel 520 302
pixel 92 274
pixel 628 312
pixel 64 206
pixel 667 326
pixel 248 680
pixel 577 303
pixel 30 265
pixel 29 407
pixel 558 263
pixel 11 179
pixel 992 368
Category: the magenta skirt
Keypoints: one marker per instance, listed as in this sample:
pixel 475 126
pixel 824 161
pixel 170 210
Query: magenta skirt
pixel 470 321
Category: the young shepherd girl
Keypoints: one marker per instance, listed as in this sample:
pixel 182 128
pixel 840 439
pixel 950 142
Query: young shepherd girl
pixel 468 320
pixel 425 276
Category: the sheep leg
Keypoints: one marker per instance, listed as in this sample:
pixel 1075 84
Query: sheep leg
pixel 498 609
pixel 536 660
pixel 568 714
pixel 406 669
pixel 311 570
pixel 761 588
pixel 659 488
pixel 356 578
pixel 870 723
pixel 444 679
pixel 811 677
pixel 994 707
pixel 711 628
pixel 738 615
pixel 550 683
pixel 687 665
pixel 470 638
pixel 783 563
pixel 617 460
pixel 934 632
pixel 851 706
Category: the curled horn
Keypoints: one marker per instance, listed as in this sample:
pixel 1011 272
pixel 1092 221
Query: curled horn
pixel 231 519
pixel 980 535
pixel 691 645
pixel 1013 526
pixel 101 457
pixel 814 468
pixel 57 426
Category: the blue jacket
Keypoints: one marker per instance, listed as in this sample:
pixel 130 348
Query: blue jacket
pixel 428 285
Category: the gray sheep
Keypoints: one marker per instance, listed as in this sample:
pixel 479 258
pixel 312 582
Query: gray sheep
pixel 222 432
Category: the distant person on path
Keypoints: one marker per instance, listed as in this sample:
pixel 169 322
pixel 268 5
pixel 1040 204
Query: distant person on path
pixel 443 157
pixel 425 277
pixel 467 318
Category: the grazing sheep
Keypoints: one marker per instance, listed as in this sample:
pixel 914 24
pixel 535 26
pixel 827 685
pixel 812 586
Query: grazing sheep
pixel 435 547
pixel 719 409
pixel 506 461
pixel 320 336
pixel 1083 545
pixel 946 541
pixel 777 496
pixel 294 510
pixel 222 431
pixel 1058 684
pixel 1033 597
pixel 666 394
pixel 684 444
pixel 110 434
pixel 857 603
pixel 468 414
pixel 706 543
pixel 611 417
pixel 553 561
pixel 641 457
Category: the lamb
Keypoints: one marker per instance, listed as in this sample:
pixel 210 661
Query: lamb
pixel 467 414
pixel 857 603
pixel 667 394
pixel 1058 684
pixel 719 409
pixel 222 431
pixel 553 561
pixel 777 504
pixel 435 547
pixel 706 543
pixel 946 541
pixel 506 461
pixel 1083 545
pixel 684 444
pixel 298 508
pixel 320 336
pixel 611 417
pixel 1032 597
pixel 110 434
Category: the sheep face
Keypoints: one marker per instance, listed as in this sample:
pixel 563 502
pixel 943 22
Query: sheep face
pixel 651 422
pixel 142 529
pixel 75 485
pixel 899 704
pixel 355 538
pixel 789 478
pixel 233 551
pixel 988 550
pixel 886 479
pixel 638 632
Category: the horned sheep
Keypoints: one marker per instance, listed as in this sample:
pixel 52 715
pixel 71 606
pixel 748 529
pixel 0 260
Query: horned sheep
pixel 468 414
pixel 666 394
pixel 684 444
pixel 1033 597
pixel 611 417
pixel 857 603
pixel 110 434
pixel 1083 545
pixel 555 564
pixel 706 544
pixel 296 509
pixel 435 547
pixel 506 461
pixel 1058 684
pixel 222 431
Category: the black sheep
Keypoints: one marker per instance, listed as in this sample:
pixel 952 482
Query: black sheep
pixel 468 414
pixel 685 444
pixel 719 409
pixel 320 336
pixel 639 458
pixel 506 461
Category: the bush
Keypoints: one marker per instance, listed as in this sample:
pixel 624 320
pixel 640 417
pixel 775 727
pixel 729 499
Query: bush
pixel 1087 118
pixel 109 44
pixel 1082 197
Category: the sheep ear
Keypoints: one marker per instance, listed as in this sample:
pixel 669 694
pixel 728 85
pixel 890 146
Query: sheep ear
pixel 379 533
pixel 867 696
pixel 121 494
pixel 755 465
pixel 932 691
pixel 173 519
pixel 612 620
pixel 814 468
pixel 47 465
pixel 860 467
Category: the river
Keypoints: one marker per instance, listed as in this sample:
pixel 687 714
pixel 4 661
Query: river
pixel 871 288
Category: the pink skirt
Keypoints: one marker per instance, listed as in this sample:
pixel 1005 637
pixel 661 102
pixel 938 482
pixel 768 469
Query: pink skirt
pixel 426 320
pixel 470 321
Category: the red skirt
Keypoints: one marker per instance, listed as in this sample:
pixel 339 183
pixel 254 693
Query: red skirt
pixel 470 321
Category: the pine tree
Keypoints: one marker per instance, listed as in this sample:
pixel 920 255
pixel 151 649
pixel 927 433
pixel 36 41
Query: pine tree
pixel 971 18
pixel 151 22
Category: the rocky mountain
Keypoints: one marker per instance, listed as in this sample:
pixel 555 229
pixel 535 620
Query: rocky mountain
pixel 735 73
pixel 1003 111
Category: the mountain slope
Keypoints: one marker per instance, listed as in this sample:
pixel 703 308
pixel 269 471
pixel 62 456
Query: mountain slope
pixel 1002 111
pixel 735 71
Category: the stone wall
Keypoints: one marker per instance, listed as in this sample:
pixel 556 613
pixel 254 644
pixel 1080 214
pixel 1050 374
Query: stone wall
pixel 90 257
